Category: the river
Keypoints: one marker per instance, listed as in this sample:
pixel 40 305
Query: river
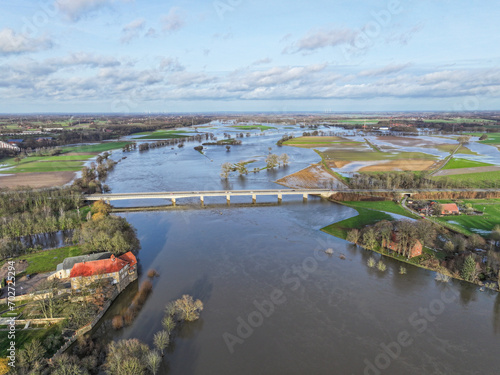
pixel 264 265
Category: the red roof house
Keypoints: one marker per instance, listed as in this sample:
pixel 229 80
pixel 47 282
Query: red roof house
pixel 122 269
pixel 449 209
pixel 393 245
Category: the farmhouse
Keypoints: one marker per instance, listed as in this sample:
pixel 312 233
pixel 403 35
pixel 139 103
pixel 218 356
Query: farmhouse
pixel 393 245
pixel 8 146
pixel 449 209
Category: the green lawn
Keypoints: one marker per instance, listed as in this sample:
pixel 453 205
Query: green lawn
pixel 457 163
pixel 253 127
pixel 450 147
pixel 493 138
pixel 47 260
pixel 365 217
pixel 332 154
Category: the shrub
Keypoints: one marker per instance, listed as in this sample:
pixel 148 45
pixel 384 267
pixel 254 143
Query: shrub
pixel 402 270
pixel 117 322
pixel 152 273
pixel 381 266
pixel 371 262
pixel 442 277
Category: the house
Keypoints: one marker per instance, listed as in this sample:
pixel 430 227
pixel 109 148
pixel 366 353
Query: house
pixel 63 269
pixel 15 141
pixel 121 271
pixel 8 146
pixel 449 209
pixel 393 245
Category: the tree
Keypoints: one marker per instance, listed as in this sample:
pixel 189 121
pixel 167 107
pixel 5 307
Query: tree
pixel 449 247
pixel 283 158
pixel 383 230
pixel 153 361
pixel 463 139
pixel 353 236
pixel 369 238
pixel 111 233
pixel 437 208
pixel 161 340
pixel 272 161
pixel 228 148
pixel 67 365
pixel 241 168
pixel 168 322
pixel 31 355
pixel 187 308
pixel 226 169
pixel 469 272
pixel 483 137
pixel 475 241
pixel 126 357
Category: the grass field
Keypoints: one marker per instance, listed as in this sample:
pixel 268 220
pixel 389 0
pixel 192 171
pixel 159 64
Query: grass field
pixel 319 141
pixel 387 206
pixel 97 148
pixel 486 222
pixel 449 147
pixel 457 163
pixel 476 180
pixel 47 260
pixel 365 217
pixel 60 163
pixel 163 134
pixel 332 154
pixel 493 138
pixel 253 127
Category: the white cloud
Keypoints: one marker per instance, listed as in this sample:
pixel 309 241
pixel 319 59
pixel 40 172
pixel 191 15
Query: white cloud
pixel 173 21
pixel 132 30
pixel 16 43
pixel 264 61
pixel 322 38
pixel 75 9
pixel 386 70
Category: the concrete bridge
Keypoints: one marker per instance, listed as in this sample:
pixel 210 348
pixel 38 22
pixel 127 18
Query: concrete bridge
pixel 174 195
pixel 324 193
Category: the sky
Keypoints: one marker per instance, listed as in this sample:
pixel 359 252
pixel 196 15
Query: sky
pixel 131 56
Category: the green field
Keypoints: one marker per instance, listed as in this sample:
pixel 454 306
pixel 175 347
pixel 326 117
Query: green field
pixel 365 217
pixel 163 134
pixel 47 260
pixel 319 141
pixel 387 206
pixel 253 127
pixel 97 148
pixel 449 147
pixel 45 166
pixel 333 154
pixel 493 138
pixel 486 222
pixel 457 163
pixel 476 180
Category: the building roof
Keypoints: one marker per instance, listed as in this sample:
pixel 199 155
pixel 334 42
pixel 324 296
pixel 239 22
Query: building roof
pixel 450 207
pixel 130 258
pixel 68 263
pixel 103 266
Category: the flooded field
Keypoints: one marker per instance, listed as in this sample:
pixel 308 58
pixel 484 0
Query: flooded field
pixel 275 303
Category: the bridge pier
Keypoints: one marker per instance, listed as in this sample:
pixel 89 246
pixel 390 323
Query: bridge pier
pixel 304 197
pixel 228 199
pixel 280 198
pixel 173 201
pixel 202 200
pixel 254 198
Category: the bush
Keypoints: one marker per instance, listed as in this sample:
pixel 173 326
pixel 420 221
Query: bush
pixel 371 262
pixel 117 322
pixel 381 266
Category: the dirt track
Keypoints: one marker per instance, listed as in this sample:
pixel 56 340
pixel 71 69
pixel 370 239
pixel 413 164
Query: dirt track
pixel 36 180
pixel 451 172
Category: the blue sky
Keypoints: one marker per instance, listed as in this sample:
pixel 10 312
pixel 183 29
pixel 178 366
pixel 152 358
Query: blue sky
pixel 241 55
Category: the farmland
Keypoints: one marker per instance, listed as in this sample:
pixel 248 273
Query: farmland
pixel 456 163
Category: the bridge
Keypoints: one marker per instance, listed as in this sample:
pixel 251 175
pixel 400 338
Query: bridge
pixel 279 193
pixel 174 195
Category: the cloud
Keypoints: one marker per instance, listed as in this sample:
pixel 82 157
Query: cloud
pixel 132 30
pixel 173 21
pixel 267 60
pixel 75 9
pixel 12 43
pixel 171 65
pixel 405 37
pixel 322 38
pixel 84 59
pixel 388 69
pixel 151 33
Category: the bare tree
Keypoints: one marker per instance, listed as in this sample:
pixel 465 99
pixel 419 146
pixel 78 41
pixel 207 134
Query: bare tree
pixel 161 340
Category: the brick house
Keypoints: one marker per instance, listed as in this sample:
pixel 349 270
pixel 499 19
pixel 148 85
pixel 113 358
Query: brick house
pixel 120 271
pixel 393 245
pixel 449 209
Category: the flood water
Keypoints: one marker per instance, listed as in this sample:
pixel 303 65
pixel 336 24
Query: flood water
pixel 303 312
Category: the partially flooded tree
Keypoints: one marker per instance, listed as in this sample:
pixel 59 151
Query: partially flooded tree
pixel 188 309
pixel 226 169
pixel 153 361
pixel 272 161
pixel 284 159
pixel 161 340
